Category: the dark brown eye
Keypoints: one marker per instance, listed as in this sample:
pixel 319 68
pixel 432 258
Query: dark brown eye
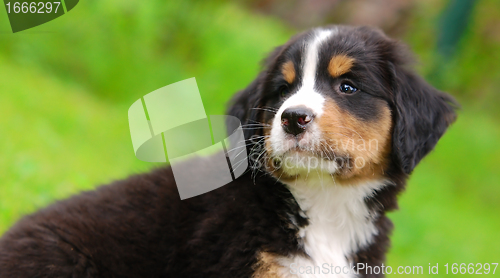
pixel 347 89
pixel 284 91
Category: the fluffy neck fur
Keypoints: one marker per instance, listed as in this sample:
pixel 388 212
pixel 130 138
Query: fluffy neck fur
pixel 340 223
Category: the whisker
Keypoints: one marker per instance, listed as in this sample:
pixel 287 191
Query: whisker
pixel 267 110
pixel 250 128
pixel 256 124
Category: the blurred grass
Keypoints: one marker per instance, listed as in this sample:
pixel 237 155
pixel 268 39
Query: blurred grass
pixel 66 87
pixel 473 74
pixel 56 140
pixel 449 212
pixel 132 49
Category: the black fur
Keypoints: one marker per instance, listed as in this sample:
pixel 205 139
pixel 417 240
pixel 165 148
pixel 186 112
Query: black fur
pixel 139 227
pixel 422 115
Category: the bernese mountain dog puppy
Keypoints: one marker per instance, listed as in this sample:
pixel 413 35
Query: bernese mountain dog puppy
pixel 335 123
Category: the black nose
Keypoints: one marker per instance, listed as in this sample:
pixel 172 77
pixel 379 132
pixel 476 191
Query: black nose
pixel 294 120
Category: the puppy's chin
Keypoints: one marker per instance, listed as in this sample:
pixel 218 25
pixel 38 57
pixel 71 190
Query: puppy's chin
pixel 301 163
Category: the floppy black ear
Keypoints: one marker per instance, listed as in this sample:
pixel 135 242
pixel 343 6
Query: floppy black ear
pixel 244 105
pixel 421 116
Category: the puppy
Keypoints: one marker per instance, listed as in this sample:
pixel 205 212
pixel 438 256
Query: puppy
pixel 335 123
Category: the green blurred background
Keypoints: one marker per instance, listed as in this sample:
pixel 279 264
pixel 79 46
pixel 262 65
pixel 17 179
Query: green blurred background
pixel 65 88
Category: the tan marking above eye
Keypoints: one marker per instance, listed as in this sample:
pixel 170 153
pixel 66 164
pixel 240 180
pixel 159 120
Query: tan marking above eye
pixel 288 71
pixel 340 64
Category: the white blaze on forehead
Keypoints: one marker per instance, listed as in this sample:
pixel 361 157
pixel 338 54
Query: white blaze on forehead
pixel 311 61
pixel 306 95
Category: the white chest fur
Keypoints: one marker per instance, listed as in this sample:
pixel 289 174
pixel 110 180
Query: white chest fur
pixel 340 224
